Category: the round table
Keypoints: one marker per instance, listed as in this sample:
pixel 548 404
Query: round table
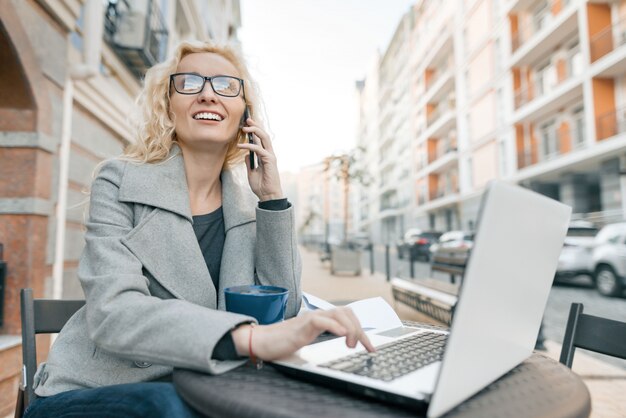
pixel 538 387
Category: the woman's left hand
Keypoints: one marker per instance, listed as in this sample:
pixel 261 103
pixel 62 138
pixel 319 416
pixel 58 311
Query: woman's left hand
pixel 264 178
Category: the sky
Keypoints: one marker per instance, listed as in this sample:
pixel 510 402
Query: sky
pixel 306 56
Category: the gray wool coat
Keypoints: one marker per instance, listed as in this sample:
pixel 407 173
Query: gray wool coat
pixel 150 302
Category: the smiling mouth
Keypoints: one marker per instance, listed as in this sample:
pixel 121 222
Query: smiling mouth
pixel 208 116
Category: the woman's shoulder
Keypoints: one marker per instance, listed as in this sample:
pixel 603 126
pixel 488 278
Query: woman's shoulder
pixel 112 168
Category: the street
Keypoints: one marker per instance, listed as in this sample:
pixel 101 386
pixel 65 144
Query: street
pixel 558 306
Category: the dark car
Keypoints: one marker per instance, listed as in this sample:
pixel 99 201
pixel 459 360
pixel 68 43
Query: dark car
pixel 416 244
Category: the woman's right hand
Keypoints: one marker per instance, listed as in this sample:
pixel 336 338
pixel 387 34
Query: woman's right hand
pixel 271 342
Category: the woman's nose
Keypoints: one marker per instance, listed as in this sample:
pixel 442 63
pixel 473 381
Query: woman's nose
pixel 207 94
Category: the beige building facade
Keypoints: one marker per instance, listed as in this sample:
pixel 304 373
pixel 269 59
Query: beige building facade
pixel 69 77
pixel 325 209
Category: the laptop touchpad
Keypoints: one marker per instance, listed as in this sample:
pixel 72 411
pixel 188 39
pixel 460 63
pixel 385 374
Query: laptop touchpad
pixel 398 332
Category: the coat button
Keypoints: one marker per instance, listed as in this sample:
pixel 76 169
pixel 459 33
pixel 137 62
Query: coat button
pixel 142 364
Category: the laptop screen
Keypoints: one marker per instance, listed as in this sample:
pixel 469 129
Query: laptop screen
pixel 504 292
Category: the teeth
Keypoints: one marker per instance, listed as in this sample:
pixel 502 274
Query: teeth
pixel 207 115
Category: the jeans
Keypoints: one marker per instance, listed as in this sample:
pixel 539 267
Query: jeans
pixel 148 399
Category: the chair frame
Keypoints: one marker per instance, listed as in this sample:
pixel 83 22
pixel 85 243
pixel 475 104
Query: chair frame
pixel 594 333
pixel 39 316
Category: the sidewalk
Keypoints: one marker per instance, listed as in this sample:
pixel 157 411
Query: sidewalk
pixel 606 383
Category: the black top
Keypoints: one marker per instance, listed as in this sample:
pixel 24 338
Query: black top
pixel 209 230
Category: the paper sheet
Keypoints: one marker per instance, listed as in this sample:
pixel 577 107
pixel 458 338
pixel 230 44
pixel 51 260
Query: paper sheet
pixel 375 313
pixel 313 302
pixel 372 313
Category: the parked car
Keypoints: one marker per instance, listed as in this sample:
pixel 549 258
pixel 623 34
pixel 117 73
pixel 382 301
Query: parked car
pixel 576 257
pixel 609 260
pixel 452 240
pixel 453 245
pixel 360 242
pixel 416 244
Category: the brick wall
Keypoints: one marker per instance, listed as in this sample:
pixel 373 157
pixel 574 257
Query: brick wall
pixel 28 143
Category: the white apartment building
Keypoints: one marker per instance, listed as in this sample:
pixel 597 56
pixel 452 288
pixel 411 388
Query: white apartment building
pixel 393 181
pixel 367 195
pixel 529 91
pixel 436 123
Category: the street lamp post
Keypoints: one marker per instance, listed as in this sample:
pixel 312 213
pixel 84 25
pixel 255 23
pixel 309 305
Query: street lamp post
pixel 327 162
pixel 344 175
pixel 622 184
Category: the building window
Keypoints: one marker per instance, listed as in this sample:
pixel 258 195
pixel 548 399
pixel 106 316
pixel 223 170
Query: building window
pixel 498 52
pixel 497 6
pixel 579 127
pixel 503 156
pixel 76 39
pixel 574 60
pixel 549 140
pixel 541 16
pixel 500 107
pixel 546 79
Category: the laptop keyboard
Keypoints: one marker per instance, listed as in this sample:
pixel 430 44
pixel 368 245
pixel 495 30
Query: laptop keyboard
pixel 394 359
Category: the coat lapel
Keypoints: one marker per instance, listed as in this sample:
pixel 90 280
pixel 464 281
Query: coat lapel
pixel 162 185
pixel 164 241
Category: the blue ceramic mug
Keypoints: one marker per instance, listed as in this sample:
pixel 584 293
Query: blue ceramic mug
pixel 265 303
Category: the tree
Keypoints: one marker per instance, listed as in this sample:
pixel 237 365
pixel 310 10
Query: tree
pixel 346 169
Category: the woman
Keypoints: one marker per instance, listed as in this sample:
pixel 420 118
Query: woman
pixel 172 223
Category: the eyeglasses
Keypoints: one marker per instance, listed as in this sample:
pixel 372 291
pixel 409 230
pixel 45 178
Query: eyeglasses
pixel 190 83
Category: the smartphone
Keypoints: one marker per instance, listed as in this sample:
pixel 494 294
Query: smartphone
pixel 246 115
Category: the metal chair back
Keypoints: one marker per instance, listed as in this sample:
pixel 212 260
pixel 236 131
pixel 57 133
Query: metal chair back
pixel 39 316
pixel 593 333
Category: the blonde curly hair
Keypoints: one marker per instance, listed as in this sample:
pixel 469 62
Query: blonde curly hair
pixel 155 132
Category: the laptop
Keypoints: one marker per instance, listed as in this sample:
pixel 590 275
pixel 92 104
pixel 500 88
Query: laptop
pixel 501 302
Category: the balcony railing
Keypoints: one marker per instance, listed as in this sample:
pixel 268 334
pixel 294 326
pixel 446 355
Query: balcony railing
pixel 539 21
pixel 611 123
pixel 443 107
pixel 389 201
pixel 439 72
pixel 553 142
pixel 421 162
pixel 607 40
pixel 389 206
pixel 446 146
pixel 561 71
pixel 137 32
pixel 443 191
pixel 443 147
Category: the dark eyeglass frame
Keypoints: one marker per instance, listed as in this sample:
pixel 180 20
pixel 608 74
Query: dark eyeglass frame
pixel 210 80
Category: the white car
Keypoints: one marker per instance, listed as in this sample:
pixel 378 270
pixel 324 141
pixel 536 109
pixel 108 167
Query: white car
pixel 609 260
pixel 576 257
pixel 454 241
